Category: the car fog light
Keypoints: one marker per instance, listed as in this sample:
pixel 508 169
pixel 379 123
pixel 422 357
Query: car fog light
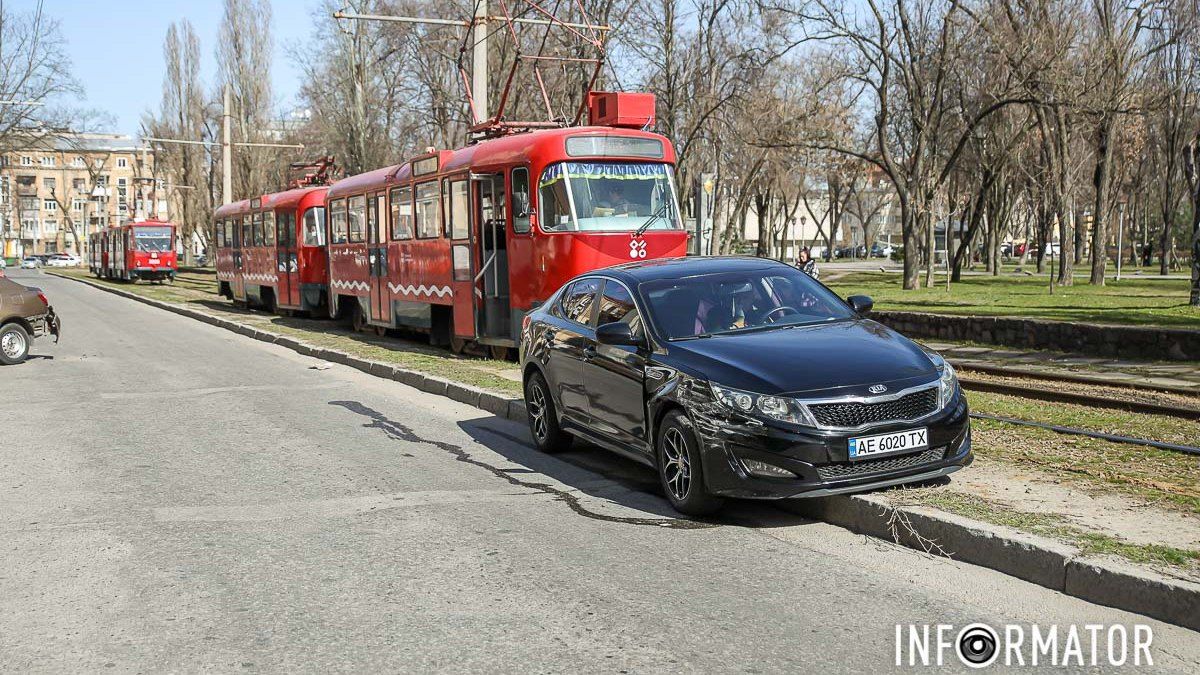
pixel 768 470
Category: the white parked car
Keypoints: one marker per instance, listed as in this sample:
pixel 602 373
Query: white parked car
pixel 30 263
pixel 63 260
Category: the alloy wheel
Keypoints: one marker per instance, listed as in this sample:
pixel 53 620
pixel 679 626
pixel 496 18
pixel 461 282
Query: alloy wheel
pixel 677 468
pixel 537 410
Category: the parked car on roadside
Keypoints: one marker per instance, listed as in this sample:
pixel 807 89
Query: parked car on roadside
pixel 738 377
pixel 63 260
pixel 881 250
pixel 25 314
pixel 31 263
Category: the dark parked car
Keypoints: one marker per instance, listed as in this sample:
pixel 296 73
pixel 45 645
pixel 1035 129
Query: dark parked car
pixel 25 313
pixel 738 377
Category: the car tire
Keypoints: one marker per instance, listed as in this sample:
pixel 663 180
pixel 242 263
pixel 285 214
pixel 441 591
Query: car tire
pixel 548 436
pixel 14 344
pixel 681 469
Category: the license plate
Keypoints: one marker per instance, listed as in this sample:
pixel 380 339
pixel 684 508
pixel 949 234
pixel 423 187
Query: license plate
pixel 887 444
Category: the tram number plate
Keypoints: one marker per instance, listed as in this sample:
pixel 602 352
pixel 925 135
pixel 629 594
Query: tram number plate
pixel 886 444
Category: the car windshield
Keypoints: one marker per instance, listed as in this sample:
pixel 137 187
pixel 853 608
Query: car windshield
pixel 742 301
pixel 153 239
pixel 608 197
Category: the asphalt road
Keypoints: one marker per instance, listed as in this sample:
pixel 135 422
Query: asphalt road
pixel 175 497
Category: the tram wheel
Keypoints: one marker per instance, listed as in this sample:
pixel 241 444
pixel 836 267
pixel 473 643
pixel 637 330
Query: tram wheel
pixel 458 345
pixel 499 352
pixel 381 331
pixel 358 320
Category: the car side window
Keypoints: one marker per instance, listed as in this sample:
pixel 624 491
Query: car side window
pixel 579 299
pixel 617 305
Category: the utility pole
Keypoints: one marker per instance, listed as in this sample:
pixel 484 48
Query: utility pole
pixel 479 63
pixel 226 152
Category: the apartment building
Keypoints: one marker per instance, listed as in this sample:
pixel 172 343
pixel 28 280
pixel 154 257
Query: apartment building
pixel 56 189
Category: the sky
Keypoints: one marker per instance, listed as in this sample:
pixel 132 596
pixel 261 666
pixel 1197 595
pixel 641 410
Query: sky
pixel 116 48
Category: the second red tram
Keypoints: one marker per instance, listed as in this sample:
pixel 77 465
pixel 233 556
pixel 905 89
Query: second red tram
pixel 138 250
pixel 271 250
pixel 464 243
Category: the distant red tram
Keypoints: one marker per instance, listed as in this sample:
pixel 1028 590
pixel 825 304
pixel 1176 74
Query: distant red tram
pixel 137 250
pixel 271 250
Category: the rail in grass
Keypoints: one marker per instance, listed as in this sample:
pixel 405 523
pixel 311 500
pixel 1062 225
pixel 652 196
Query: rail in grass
pixel 461 244
pixel 142 250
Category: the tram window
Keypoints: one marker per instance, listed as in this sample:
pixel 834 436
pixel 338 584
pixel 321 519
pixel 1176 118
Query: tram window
pixel 337 221
pixel 457 213
pixel 357 214
pixel 314 226
pixel 519 200
pixel 230 233
pixel 220 234
pixel 402 213
pixel 269 228
pixel 283 228
pixel 375 208
pixel 258 230
pixel 427 210
pixel 247 235
pixel 556 208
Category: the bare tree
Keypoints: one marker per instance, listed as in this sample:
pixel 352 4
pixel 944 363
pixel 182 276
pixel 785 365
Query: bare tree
pixel 244 63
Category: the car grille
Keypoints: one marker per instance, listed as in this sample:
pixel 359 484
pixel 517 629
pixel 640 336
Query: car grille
pixel 854 414
pixel 868 466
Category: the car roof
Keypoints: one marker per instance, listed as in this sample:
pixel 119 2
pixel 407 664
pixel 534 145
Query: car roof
pixel 677 268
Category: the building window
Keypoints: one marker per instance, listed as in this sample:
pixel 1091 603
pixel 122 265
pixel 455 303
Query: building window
pixel 47 161
pixel 122 163
pixel 49 183
pixel 26 160
pixel 78 184
pixel 49 205
pixel 77 204
pixel 3 160
pixel 78 163
pixel 50 226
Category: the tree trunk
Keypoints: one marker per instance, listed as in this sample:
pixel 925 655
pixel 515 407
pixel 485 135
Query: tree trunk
pixel 1103 184
pixel 908 233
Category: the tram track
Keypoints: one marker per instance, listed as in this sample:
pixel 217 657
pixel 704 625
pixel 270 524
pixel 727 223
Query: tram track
pixel 1077 398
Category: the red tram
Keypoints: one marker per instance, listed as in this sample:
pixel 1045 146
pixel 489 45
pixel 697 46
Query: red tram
pixel 461 244
pixel 271 250
pixel 137 250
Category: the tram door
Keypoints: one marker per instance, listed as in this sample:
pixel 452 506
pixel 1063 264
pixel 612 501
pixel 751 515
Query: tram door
pixel 491 280
pixel 377 256
pixel 287 264
pixel 241 229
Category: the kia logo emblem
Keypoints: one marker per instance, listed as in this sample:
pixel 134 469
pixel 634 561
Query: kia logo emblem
pixel 878 388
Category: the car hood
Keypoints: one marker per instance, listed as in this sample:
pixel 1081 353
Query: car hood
pixel 842 358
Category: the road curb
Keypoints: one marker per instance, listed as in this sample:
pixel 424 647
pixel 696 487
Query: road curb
pixel 1035 559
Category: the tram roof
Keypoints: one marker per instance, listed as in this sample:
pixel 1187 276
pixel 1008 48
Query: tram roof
pixel 541 147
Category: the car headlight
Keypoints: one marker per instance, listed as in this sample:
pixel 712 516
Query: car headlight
pixel 947 385
pixel 778 408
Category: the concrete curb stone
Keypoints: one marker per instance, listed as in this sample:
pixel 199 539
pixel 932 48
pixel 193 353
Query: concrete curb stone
pixel 1038 560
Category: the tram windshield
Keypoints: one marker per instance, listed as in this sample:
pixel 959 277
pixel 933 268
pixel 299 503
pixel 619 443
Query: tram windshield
pixel 608 197
pixel 152 239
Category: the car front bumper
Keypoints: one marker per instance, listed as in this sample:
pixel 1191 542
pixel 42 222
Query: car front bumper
pixel 820 459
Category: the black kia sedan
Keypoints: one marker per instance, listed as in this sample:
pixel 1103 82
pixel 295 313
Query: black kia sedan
pixel 738 377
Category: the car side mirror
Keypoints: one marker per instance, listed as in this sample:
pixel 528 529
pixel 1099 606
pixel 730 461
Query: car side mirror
pixel 617 333
pixel 861 303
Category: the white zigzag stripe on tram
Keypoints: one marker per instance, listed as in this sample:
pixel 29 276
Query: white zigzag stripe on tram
pixel 440 291
pixel 350 285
